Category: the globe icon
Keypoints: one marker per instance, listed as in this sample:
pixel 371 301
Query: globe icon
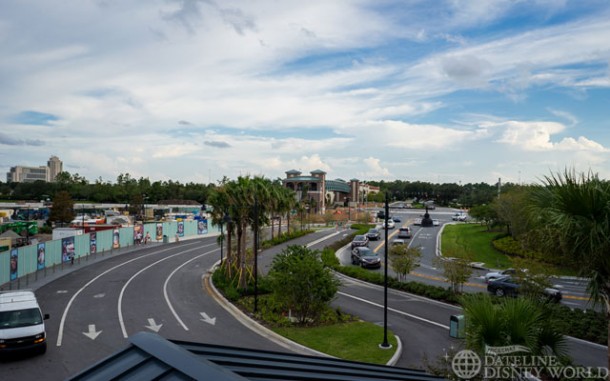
pixel 466 364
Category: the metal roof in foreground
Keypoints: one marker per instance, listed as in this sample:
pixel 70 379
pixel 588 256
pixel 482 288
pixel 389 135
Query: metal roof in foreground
pixel 151 357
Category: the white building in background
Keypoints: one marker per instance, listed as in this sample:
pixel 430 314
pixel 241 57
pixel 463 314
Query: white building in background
pixel 48 173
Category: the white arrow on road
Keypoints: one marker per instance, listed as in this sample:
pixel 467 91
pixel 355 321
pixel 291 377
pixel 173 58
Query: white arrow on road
pixel 153 326
pixel 92 334
pixel 207 319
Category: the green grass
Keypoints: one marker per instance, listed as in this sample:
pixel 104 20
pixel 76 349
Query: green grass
pixel 356 341
pixel 473 241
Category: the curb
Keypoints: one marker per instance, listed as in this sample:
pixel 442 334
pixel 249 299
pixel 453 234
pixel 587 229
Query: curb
pixel 265 332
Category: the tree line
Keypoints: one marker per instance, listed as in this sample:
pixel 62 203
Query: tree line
pixel 127 188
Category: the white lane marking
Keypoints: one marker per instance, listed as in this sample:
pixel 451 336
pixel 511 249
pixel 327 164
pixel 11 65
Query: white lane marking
pixel 322 239
pixel 60 334
pixel 120 301
pixel 153 326
pixel 396 311
pixel 165 284
pixel 207 319
pixel 92 334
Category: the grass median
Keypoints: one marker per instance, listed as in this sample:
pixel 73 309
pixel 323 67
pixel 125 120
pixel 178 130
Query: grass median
pixel 473 241
pixel 356 341
pixel 337 334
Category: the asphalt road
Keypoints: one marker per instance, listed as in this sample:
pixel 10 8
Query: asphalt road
pixel 96 305
pixel 430 270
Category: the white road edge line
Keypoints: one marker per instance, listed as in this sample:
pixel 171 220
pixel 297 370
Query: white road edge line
pixel 165 294
pixel 67 309
pixel 120 301
pixel 322 239
pixel 395 310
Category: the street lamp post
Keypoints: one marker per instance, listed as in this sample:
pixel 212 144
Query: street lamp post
pixel 144 199
pixel 27 226
pixel 226 219
pixel 385 344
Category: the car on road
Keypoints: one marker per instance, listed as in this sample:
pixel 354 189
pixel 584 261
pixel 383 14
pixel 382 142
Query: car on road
pixel 417 222
pixel 398 241
pixel 435 222
pixel 373 234
pixel 396 219
pixel 404 233
pixel 389 224
pixel 360 240
pixel 459 217
pixel 365 257
pixel 381 214
pixel 499 274
pixel 507 286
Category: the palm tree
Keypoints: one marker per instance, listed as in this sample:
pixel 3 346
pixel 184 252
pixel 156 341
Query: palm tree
pixel 219 200
pixel 574 212
pixel 286 202
pixel 514 321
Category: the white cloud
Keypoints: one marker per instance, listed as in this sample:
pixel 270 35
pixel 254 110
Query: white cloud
pixel 537 136
pixel 385 86
pixel 564 115
pixel 374 169
pixel 418 136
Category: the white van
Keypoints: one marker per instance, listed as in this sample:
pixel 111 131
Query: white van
pixel 21 323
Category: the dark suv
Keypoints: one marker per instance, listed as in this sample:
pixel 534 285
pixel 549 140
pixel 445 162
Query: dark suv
pixel 507 286
pixel 365 257
pixel 360 240
pixel 373 234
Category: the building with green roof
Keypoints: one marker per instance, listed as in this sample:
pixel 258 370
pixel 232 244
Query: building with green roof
pixel 320 193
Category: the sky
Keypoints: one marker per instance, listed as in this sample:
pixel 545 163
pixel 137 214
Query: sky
pixel 445 91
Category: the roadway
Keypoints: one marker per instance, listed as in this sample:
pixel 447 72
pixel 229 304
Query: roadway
pixel 159 288
pixel 430 270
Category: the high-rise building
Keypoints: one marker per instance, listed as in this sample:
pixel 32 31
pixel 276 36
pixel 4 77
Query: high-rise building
pixel 55 166
pixel 23 174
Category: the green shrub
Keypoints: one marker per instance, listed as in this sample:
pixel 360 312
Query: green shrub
pixel 509 246
pixel 284 237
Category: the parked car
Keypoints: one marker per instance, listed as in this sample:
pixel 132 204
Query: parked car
pixel 360 240
pixel 404 233
pixel 499 274
pixel 365 257
pixel 373 234
pixel 389 225
pixel 507 286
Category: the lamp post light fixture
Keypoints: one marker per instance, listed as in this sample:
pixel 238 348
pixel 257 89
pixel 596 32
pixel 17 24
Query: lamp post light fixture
pixel 385 344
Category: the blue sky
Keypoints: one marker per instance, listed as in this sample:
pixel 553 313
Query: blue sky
pixel 193 90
